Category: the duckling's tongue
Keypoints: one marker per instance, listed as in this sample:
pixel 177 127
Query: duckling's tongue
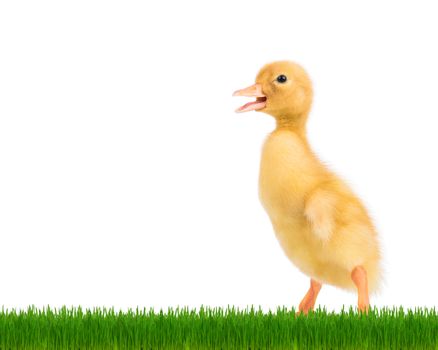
pixel 252 106
pixel 252 91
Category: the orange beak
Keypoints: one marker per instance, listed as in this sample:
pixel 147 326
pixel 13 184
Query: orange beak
pixel 252 91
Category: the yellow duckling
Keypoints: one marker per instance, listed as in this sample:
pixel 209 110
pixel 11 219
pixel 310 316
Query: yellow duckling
pixel 321 225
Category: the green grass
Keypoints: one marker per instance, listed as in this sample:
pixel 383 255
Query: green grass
pixel 207 328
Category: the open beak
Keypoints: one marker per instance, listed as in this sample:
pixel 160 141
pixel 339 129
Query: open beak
pixel 252 91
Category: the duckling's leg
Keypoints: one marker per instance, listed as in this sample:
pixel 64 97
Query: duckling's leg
pixel 359 277
pixel 309 299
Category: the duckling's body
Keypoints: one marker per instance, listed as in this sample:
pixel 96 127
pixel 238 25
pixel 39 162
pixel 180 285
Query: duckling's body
pixel 321 225
pixel 291 176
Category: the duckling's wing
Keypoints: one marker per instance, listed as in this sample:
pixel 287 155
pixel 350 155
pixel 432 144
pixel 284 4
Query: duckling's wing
pixel 319 210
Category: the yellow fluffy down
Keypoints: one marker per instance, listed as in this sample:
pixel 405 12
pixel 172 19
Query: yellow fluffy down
pixel 321 225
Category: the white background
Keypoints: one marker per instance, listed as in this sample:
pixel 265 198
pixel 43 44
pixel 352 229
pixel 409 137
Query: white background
pixel 127 180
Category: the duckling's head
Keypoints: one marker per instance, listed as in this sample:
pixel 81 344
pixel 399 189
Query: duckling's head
pixel 282 89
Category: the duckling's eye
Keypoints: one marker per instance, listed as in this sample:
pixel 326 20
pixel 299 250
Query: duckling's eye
pixel 282 78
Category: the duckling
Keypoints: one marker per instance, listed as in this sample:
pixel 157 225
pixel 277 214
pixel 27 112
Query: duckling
pixel 321 225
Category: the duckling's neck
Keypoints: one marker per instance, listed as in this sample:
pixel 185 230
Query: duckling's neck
pixel 296 124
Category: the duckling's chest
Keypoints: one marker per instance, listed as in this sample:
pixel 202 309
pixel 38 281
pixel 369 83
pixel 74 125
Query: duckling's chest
pixel 287 173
